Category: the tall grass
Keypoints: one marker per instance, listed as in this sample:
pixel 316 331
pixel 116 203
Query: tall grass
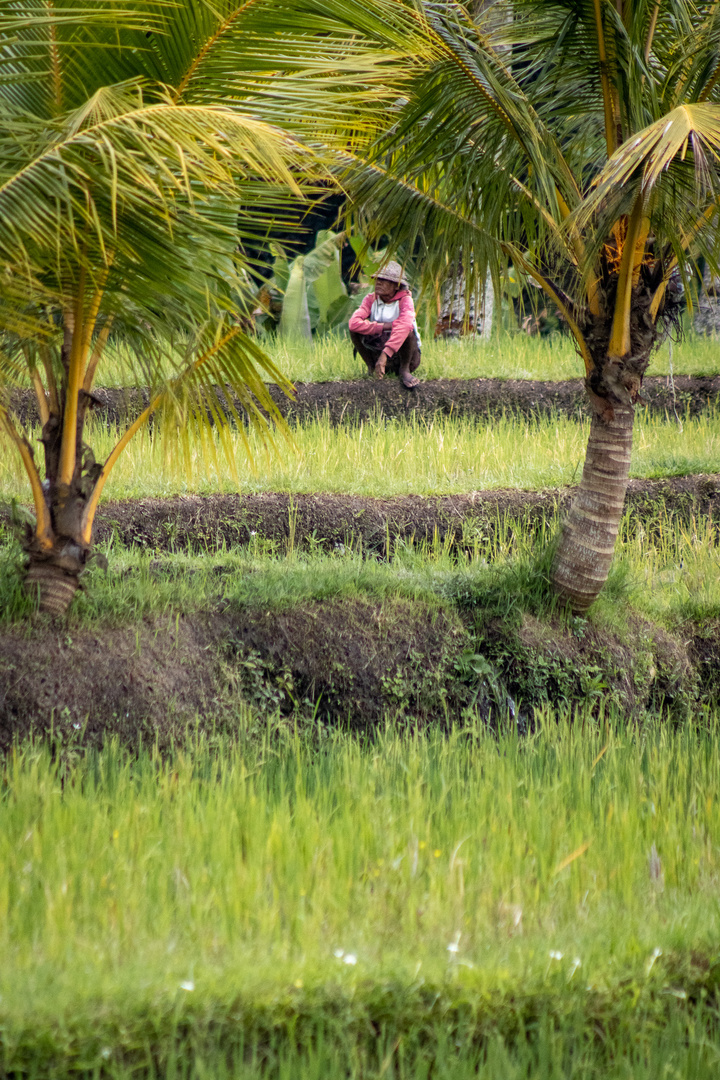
pixel 393 457
pixel 670 571
pixel 506 356
pixel 446 884
pixel 664 569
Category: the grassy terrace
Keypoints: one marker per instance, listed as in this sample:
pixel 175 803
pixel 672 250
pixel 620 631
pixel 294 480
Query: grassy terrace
pixel 515 356
pixel 393 457
pixel 419 899
pixel 666 573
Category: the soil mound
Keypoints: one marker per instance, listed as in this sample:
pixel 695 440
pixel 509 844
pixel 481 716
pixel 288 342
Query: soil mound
pixel 133 682
pixel 332 522
pixel 351 402
pixel 349 661
pixel 359 400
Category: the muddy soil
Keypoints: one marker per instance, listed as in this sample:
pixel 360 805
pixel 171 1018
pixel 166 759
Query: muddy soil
pixel 130 682
pixel 333 522
pixel 351 402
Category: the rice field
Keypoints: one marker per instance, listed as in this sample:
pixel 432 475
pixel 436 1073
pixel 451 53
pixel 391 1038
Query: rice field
pixel 390 457
pixel 506 356
pixel 428 883
pixel 303 903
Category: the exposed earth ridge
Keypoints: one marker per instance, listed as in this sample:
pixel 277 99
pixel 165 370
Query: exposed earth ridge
pixel 357 400
pixel 330 521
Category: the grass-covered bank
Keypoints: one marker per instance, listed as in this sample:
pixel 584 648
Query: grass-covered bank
pixel 431 634
pixel 403 906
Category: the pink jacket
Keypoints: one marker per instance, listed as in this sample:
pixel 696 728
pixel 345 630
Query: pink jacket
pixel 401 327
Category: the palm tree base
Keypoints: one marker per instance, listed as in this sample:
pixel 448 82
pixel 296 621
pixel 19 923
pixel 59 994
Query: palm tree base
pixel 587 541
pixel 54 586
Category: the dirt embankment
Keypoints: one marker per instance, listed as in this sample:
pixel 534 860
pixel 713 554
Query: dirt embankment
pixel 328 521
pixel 351 402
pixel 347 661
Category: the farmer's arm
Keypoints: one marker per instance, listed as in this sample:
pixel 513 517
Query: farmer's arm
pixel 402 326
pixel 359 321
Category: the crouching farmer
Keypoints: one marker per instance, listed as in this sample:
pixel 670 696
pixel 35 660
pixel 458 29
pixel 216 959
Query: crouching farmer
pixel 383 329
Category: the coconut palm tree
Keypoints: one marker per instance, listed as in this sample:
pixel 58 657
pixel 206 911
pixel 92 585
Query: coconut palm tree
pixel 131 167
pixel 576 139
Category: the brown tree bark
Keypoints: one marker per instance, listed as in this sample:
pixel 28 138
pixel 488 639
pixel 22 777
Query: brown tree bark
pixel 54 583
pixel 587 540
pixel 53 573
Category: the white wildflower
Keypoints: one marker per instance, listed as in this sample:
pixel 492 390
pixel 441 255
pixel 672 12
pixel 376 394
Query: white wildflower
pixel 454 946
pixel 653 957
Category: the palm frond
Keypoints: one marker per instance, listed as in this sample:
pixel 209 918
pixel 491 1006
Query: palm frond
pixel 137 185
pixel 687 138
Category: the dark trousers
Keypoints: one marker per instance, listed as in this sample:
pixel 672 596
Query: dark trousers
pixel 369 346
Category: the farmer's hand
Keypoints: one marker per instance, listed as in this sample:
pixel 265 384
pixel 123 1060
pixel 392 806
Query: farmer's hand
pixel 380 365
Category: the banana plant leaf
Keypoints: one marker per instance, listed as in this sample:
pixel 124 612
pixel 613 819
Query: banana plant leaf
pixel 295 317
pixel 281 269
pixel 370 261
pixel 324 255
pixel 338 313
pixel 329 288
pixel 313 293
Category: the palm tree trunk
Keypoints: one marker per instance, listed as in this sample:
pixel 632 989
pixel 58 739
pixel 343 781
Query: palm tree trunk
pixel 54 585
pixel 587 541
pixel 53 572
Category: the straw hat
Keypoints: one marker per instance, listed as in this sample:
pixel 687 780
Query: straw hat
pixel 392 271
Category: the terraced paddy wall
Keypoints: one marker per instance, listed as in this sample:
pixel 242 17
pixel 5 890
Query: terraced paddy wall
pixel 375 525
pixel 354 401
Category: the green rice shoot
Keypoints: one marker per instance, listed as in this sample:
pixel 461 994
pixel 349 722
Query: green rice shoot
pixel 261 880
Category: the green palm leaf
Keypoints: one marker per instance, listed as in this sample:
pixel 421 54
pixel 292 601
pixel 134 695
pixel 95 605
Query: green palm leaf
pixel 127 202
pixel 693 126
